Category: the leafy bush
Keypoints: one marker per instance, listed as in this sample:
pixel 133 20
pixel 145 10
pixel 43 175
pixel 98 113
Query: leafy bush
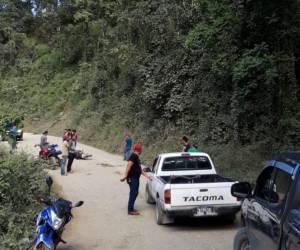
pixel 21 180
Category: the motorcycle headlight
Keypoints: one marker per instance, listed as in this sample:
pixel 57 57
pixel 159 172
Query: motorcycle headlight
pixel 56 222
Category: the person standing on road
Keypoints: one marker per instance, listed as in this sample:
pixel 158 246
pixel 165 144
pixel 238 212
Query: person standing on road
pixel 67 135
pixel 12 140
pixel 127 146
pixel 132 174
pixel 72 154
pixel 44 139
pixel 64 134
pixel 74 136
pixel 64 158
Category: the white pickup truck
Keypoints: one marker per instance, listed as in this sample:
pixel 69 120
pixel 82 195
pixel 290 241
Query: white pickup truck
pixel 186 184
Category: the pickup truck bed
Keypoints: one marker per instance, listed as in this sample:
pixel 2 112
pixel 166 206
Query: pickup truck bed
pixel 189 179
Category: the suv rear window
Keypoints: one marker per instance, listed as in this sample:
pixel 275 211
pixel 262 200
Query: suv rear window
pixel 184 163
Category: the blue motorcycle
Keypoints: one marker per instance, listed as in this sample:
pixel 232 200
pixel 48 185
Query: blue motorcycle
pixel 51 222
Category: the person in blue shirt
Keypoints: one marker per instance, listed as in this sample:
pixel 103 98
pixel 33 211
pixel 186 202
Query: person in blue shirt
pixel 12 139
pixel 127 146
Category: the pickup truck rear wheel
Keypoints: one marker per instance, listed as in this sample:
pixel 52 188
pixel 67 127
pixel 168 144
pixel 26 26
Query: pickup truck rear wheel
pixel 241 241
pixel 161 217
pixel 148 196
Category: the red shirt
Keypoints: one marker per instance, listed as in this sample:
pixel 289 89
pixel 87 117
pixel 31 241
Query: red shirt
pixel 74 137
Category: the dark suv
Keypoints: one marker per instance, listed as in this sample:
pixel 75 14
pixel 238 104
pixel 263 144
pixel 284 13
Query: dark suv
pixel 271 211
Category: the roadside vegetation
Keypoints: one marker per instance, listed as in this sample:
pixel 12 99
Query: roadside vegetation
pixel 21 181
pixel 225 73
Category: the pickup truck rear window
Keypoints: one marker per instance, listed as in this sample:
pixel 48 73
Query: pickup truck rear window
pixel 182 163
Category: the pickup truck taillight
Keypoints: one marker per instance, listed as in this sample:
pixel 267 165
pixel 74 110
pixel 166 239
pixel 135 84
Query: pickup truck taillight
pixel 167 196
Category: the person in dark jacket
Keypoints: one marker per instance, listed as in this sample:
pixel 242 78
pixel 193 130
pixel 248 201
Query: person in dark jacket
pixel 132 174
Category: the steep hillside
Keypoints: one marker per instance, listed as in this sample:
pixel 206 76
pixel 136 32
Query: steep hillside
pixel 225 73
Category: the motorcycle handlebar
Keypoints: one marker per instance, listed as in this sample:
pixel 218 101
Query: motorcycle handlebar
pixel 45 201
pixel 78 204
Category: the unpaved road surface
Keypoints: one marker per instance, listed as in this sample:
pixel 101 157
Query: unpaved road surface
pixel 102 222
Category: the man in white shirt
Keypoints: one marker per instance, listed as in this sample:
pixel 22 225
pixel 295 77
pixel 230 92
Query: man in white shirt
pixel 72 154
pixel 64 158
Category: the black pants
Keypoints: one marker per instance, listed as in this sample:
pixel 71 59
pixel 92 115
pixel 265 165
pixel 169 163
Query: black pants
pixel 70 161
pixel 134 184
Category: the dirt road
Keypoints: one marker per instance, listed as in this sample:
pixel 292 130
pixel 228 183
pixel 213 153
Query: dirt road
pixel 103 224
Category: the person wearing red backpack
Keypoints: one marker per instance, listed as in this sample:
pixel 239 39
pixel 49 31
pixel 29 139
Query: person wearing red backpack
pixel 74 137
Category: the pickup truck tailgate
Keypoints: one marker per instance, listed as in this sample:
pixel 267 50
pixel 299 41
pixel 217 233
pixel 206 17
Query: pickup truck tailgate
pixel 202 194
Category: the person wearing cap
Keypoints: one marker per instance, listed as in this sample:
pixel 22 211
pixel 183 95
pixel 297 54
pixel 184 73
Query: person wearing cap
pixel 132 174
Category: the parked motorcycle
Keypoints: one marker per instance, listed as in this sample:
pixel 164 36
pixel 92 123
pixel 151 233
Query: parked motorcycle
pixel 51 222
pixel 50 154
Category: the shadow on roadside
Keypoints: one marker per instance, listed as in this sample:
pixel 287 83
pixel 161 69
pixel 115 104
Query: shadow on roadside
pixel 215 223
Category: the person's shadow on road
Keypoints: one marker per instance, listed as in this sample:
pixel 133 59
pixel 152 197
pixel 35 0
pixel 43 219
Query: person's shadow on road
pixel 215 223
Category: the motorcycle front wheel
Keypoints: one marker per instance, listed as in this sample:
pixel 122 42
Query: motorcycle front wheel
pixel 42 247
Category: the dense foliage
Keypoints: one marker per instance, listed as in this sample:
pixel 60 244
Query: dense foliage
pixel 21 181
pixel 224 72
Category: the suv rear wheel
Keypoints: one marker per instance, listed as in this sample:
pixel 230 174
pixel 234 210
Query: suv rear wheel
pixel 241 241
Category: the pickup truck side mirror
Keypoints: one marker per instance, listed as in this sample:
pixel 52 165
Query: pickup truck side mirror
pixel 241 190
pixel 147 170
